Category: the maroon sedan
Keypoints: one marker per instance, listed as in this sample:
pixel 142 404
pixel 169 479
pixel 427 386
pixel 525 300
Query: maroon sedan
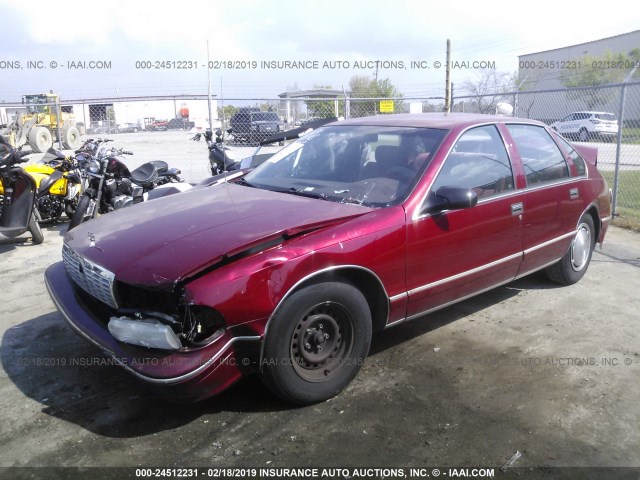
pixel 360 225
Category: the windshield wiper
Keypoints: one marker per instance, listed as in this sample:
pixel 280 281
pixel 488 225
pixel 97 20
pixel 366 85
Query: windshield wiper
pixel 242 181
pixel 305 193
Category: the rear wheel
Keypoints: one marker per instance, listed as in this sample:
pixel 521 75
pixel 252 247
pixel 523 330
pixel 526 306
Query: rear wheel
pixel 81 215
pixel 37 236
pixel 317 342
pixel 572 267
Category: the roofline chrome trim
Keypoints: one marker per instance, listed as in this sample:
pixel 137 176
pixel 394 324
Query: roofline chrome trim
pixel 119 362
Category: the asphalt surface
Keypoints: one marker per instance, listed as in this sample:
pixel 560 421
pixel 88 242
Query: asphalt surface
pixel 531 367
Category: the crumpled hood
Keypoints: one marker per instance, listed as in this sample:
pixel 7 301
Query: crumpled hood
pixel 162 241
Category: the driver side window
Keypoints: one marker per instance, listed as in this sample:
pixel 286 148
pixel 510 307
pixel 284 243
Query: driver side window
pixel 478 161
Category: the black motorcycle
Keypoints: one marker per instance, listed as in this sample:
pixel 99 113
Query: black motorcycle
pixel 17 196
pixel 221 158
pixel 109 185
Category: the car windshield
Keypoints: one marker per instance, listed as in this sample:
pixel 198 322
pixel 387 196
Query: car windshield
pixel 365 165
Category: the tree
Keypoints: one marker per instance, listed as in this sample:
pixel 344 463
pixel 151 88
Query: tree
pixel 365 87
pixel 226 112
pixel 322 108
pixel 490 88
pixel 597 71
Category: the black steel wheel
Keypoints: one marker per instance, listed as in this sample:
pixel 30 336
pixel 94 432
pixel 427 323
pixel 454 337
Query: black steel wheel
pixel 317 342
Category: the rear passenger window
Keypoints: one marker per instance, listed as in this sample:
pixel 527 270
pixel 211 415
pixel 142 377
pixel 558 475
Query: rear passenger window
pixel 542 160
pixel 577 160
pixel 478 161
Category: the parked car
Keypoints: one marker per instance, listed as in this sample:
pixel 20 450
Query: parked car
pixel 180 123
pixel 254 126
pixel 585 126
pixel 288 269
pixel 129 128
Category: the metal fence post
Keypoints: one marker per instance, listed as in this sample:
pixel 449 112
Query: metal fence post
pixel 616 174
pixel 57 105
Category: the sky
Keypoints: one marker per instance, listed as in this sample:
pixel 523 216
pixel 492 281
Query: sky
pixel 86 49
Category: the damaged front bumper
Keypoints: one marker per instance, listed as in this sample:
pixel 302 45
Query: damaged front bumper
pixel 182 375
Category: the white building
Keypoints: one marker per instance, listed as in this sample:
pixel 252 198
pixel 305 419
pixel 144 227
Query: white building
pixel 546 70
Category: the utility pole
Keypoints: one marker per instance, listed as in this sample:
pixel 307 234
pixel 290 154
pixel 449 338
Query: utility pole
pixel 447 89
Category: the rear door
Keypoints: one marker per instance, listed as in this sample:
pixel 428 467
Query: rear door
pixel 552 198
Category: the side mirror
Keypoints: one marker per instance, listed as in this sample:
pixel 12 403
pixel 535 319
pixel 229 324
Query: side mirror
pixel 208 136
pixel 449 198
pixel 218 133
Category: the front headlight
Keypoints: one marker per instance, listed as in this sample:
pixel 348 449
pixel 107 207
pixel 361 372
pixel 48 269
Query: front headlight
pixel 94 166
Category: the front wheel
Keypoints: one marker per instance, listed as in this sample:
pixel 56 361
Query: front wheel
pixel 316 342
pixel 572 267
pixel 82 211
pixel 37 236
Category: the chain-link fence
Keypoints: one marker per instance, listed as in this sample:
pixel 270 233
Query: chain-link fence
pixel 161 128
pixel 607 117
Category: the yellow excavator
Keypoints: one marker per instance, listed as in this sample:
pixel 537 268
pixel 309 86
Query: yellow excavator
pixel 40 125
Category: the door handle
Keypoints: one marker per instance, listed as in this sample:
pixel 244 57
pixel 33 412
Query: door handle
pixel 574 193
pixel 517 208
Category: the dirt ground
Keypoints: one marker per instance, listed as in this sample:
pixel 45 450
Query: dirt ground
pixel 551 372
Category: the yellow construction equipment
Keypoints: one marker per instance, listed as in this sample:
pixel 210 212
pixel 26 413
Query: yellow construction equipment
pixel 40 125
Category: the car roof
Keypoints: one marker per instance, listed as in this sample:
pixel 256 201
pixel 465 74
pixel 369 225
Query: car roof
pixel 589 111
pixel 434 120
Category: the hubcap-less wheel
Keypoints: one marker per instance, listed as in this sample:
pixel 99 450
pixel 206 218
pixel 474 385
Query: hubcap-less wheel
pixel 321 341
pixel 316 342
pixel 581 247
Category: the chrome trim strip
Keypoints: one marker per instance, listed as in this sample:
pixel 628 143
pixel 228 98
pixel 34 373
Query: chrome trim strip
pixel 549 242
pixel 466 297
pixel 161 381
pixel 528 272
pixel 605 219
pixel 400 296
pixel 464 274
pixel 445 305
pixel 551 184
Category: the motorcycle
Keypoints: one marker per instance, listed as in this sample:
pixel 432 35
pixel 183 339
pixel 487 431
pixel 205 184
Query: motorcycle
pixel 221 158
pixel 58 183
pixel 109 185
pixel 18 212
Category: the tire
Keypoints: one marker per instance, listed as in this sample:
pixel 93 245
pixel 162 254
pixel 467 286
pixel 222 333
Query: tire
pixel 572 267
pixel 37 236
pixel 40 139
pixel 583 135
pixel 79 216
pixel 316 342
pixel 71 138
